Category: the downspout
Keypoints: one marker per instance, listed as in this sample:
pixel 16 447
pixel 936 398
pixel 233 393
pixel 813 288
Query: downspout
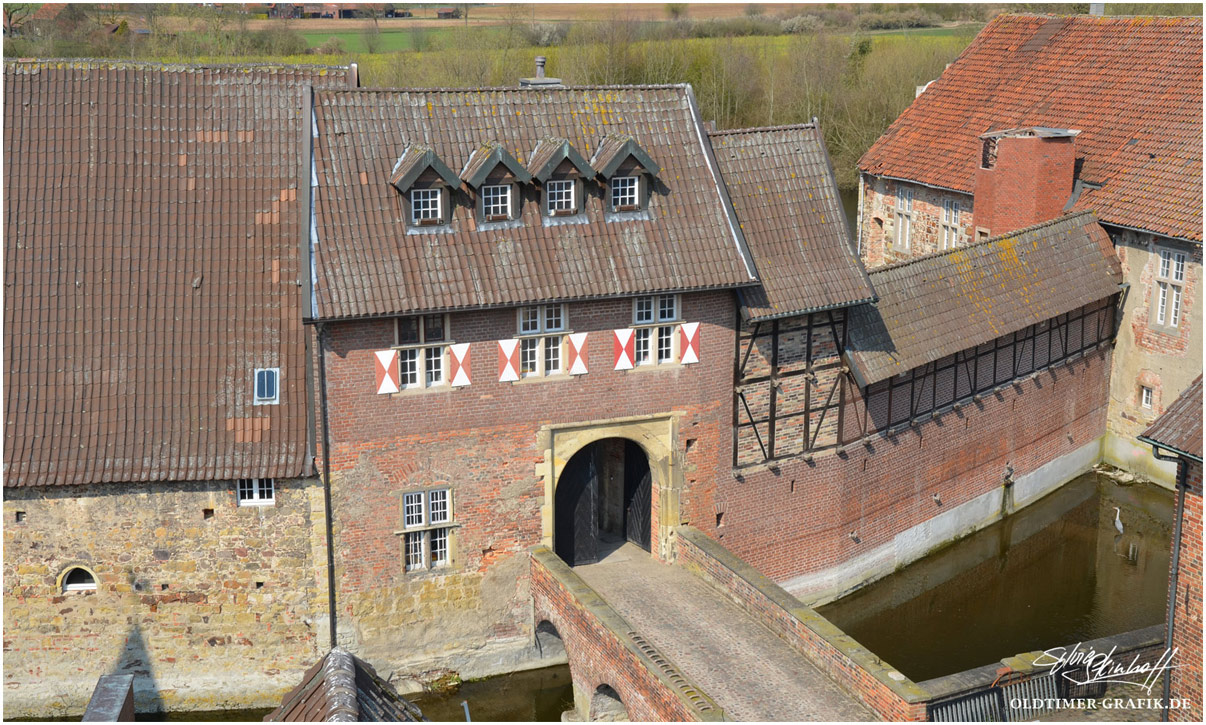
pixel 858 220
pixel 1182 469
pixel 326 479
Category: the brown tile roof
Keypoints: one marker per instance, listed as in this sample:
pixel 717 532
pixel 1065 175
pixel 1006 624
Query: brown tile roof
pixel 151 253
pixel 550 153
pixel 343 688
pixel 782 186
pixel 1131 85
pixel 1179 429
pixel 940 304
pixel 369 265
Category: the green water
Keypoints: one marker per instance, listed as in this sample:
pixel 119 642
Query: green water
pixel 1055 573
pixel 532 696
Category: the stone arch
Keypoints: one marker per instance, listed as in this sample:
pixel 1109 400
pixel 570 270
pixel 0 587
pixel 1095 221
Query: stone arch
pixel 607 706
pixel 77 577
pixel 549 645
pixel 656 435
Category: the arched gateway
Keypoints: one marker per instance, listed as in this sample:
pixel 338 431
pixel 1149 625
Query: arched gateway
pixel 603 498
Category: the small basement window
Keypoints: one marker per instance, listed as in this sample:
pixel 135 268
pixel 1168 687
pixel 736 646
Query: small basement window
pixel 267 390
pixel 257 492
pixel 78 579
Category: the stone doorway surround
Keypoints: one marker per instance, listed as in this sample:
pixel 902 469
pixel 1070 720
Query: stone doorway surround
pixel 657 435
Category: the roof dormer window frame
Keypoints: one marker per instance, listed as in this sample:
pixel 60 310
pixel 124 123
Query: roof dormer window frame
pixel 421 177
pixel 561 171
pixel 628 172
pixel 481 175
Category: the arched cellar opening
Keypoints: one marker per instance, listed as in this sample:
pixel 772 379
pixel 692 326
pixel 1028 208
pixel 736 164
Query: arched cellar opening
pixel 603 498
pixel 606 706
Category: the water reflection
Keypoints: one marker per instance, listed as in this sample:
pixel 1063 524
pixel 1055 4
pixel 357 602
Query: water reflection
pixel 1055 573
pixel 532 696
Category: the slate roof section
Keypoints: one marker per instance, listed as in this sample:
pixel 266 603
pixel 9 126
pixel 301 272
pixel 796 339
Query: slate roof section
pixel 1179 429
pixel 940 304
pixel 369 265
pixel 152 244
pixel 1131 85
pixel 341 687
pixel 782 186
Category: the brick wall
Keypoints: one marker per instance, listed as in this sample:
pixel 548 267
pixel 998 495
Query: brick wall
pixel 854 668
pixel 207 612
pixel 1187 620
pixel 600 654
pixel 795 517
pixel 1030 183
pixel 481 441
pixel 878 220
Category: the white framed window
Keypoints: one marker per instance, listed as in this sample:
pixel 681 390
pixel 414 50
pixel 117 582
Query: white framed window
pixel 559 197
pixel 427 525
pixel 78 579
pixel 540 353
pixel 426 206
pixel 1170 283
pixel 656 319
pixel 1146 397
pixel 421 364
pixel 904 218
pixel 950 236
pixel 496 202
pixel 256 492
pixel 625 193
pixel 266 385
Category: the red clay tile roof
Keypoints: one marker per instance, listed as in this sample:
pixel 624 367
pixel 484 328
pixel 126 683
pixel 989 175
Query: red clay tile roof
pixel 1132 86
pixel 151 253
pixel 369 265
pixel 782 186
pixel 1179 429
pixel 943 303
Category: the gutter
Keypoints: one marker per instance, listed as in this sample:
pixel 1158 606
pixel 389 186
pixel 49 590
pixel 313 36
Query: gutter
pixel 326 482
pixel 1194 242
pixel 1182 471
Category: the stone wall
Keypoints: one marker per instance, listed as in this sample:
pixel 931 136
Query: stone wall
pixel 1163 359
pixel 827 514
pixel 210 605
pixel 489 443
pixel 877 243
pixel 1187 619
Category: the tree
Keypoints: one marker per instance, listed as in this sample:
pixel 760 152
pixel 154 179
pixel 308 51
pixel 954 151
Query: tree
pixel 15 15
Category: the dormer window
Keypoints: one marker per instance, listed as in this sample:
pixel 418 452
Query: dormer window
pixel 426 206
pixel 560 197
pixel 425 183
pixel 628 171
pixel 496 202
pixel 625 193
pixel 561 169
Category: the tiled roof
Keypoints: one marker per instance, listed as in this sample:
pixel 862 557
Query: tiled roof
pixel 151 253
pixel 369 265
pixel 782 186
pixel 1131 85
pixel 343 688
pixel 940 304
pixel 1179 429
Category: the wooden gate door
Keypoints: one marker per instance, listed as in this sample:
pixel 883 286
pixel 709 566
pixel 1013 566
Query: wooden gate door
pixel 638 495
pixel 575 518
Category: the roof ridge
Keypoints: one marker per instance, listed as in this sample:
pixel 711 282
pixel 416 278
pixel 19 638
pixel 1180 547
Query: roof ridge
pixel 759 129
pixel 77 63
pixel 985 242
pixel 541 89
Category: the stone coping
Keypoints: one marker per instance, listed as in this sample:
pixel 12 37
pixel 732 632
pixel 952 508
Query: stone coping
pixel 610 619
pixel 862 657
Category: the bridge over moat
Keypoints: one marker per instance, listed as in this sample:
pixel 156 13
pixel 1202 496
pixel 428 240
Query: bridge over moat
pixel 704 638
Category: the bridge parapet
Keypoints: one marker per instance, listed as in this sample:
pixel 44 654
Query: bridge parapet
pixel 853 667
pixel 606 655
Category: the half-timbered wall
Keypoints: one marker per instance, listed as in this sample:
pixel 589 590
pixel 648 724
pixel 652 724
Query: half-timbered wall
pixel 789 387
pixel 928 389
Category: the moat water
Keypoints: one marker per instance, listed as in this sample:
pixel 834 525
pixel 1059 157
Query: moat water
pixel 532 696
pixel 1055 573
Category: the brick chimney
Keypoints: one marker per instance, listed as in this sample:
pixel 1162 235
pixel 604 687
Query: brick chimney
pixel 1024 178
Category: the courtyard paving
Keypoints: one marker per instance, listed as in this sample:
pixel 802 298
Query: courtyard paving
pixel 744 667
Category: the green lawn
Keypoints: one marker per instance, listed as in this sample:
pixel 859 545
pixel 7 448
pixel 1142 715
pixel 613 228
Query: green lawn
pixel 393 40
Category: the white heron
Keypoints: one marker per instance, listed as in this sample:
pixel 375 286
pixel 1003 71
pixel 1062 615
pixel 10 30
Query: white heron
pixel 1118 519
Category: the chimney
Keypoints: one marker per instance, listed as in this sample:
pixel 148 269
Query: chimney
pixel 1097 9
pixel 540 81
pixel 1024 177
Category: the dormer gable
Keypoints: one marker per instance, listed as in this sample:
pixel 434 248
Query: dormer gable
pixel 414 164
pixel 621 154
pixel 555 156
pixel 486 159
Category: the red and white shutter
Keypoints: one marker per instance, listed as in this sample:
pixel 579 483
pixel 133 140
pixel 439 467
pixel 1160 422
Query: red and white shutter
pixel 624 350
pixel 458 359
pixel 690 343
pixel 387 371
pixel 508 360
pixel 576 354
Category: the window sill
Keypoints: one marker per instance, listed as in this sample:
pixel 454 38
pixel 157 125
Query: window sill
pixel 256 504
pixel 426 527
pixel 409 392
pixel 526 380
pixel 657 366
